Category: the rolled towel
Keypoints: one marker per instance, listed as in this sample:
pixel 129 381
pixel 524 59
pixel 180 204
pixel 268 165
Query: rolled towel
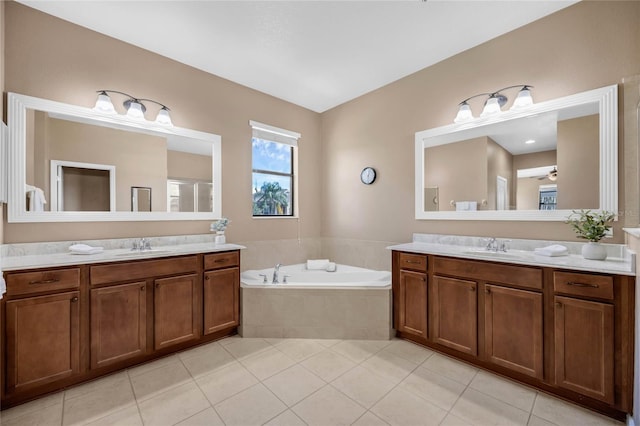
pixel 317 264
pixel 331 267
pixel 84 249
pixel 3 286
pixel 552 250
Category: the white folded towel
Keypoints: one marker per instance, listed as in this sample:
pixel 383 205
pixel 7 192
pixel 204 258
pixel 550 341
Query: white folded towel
pixel 3 285
pixel 317 264
pixel 37 199
pixel 331 267
pixel 552 250
pixel 85 249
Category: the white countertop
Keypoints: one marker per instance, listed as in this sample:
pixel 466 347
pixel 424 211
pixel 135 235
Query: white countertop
pixel 612 265
pixel 13 263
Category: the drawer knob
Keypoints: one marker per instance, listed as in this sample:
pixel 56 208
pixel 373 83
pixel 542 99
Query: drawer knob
pixel 75 299
pixel 414 262
pixel 577 284
pixel 220 260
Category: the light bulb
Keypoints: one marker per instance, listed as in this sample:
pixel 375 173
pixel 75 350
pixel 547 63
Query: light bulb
pixel 523 99
pixel 464 113
pixel 135 110
pixel 163 117
pixel 103 104
pixel 491 107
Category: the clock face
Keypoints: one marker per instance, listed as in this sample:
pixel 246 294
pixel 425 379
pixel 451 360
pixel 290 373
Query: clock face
pixel 368 175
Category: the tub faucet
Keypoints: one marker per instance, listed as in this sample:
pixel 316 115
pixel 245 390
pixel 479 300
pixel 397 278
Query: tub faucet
pixel 276 269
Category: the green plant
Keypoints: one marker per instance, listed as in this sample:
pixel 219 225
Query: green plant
pixel 589 225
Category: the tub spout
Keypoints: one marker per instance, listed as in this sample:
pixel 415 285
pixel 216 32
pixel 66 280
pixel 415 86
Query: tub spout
pixel 276 270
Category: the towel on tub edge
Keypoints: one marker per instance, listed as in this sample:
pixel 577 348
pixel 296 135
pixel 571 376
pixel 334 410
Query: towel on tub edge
pixel 318 264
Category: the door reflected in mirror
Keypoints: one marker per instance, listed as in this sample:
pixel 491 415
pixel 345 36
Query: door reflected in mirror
pixel 140 199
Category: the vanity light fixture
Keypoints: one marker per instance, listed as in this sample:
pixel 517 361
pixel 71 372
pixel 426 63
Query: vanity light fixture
pixel 135 107
pixel 494 103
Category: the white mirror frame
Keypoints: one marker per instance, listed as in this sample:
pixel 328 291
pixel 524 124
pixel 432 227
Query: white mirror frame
pixel 607 98
pixel 17 122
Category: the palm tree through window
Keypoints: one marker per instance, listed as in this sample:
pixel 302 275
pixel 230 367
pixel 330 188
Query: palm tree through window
pixel 272 178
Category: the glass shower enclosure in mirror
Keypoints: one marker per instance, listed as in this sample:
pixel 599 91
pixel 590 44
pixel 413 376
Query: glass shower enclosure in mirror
pixel 538 163
pixel 70 163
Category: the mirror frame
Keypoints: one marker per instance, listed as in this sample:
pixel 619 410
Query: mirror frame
pixel 607 99
pixel 17 122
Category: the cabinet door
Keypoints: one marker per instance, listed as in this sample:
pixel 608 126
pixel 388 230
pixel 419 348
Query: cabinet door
pixel 513 329
pixel 175 310
pixel 455 314
pixel 413 303
pixel 118 323
pixel 221 299
pixel 584 347
pixel 43 340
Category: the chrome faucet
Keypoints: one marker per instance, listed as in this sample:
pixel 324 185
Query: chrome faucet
pixel 276 270
pixel 492 244
pixel 496 245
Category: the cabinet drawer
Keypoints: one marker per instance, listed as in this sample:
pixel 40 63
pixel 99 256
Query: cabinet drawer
pixel 416 262
pixel 39 281
pixel 589 285
pixel 103 274
pixel 492 272
pixel 221 260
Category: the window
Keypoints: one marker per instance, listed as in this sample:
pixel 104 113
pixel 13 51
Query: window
pixel 274 154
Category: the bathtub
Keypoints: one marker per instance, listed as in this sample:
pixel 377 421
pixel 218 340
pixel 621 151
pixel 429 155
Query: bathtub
pixel 350 303
pixel 345 276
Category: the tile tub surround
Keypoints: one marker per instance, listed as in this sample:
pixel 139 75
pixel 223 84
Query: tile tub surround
pixel 620 260
pixel 302 381
pixel 329 313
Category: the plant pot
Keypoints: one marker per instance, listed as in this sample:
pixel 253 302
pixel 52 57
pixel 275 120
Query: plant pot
pixel 594 251
pixel 220 238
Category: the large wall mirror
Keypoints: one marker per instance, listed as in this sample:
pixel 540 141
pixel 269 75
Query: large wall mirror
pixel 538 163
pixel 73 164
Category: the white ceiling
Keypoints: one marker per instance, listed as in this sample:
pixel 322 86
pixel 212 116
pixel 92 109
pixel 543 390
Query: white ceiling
pixel 316 54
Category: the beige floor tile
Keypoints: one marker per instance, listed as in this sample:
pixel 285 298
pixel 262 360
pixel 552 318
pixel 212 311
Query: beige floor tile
pixel 452 420
pixel 477 408
pixel 389 366
pixel 267 363
pixel 363 386
pixel 288 418
pixel 565 414
pixel 44 416
pixel 328 406
pixel 450 368
pixel 328 365
pixel 409 351
pixel 159 380
pixel 230 339
pixel 152 365
pixel 129 416
pixel 327 343
pixel 206 359
pixel 173 406
pixel 402 408
pixel 359 350
pixel 253 406
pixel 106 396
pixel 505 390
pixel 103 383
pixel 299 349
pixel 537 421
pixel 207 417
pixel 29 407
pixel 294 384
pixel 370 419
pixel 226 382
pixel 433 387
pixel 243 348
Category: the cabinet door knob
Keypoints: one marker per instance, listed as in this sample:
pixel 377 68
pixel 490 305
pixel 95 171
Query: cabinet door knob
pixel 142 288
pixel 157 285
pixel 206 277
pixel 75 299
pixel 558 305
pixel 488 291
pixel 472 289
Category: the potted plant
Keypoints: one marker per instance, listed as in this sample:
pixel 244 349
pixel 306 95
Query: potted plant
pixel 591 226
pixel 219 227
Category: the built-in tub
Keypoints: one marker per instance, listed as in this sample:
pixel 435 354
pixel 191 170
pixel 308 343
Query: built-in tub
pixel 350 303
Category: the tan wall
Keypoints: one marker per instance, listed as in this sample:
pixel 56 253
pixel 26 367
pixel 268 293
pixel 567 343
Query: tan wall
pixel 189 166
pixel 459 170
pixel 588 45
pixel 53 59
pixel 578 163
pixel 527 189
pixel 499 163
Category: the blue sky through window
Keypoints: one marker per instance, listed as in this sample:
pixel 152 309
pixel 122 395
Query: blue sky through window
pixel 273 157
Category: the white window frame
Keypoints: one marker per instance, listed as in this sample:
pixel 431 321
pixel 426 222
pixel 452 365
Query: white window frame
pixel 283 136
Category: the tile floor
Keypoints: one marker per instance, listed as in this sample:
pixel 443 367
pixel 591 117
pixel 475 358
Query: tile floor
pixel 288 382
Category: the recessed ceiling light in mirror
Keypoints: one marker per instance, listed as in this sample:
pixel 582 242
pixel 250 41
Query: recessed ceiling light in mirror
pixel 529 141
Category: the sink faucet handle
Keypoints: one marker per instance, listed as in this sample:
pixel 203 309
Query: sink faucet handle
pixel 504 245
pixel 490 243
pixel 134 245
pixel 147 244
pixel 264 278
pixel 284 280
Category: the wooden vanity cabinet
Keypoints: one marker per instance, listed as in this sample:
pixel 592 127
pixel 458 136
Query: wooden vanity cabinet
pixel 41 328
pixel 566 332
pixel 175 316
pixel 221 291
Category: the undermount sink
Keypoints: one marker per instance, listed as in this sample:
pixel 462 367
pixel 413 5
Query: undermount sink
pixel 493 254
pixel 143 252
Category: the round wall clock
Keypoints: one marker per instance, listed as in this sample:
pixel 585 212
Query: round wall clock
pixel 368 175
